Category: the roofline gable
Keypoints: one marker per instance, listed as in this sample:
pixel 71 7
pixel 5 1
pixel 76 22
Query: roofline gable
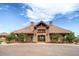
pixel 41 22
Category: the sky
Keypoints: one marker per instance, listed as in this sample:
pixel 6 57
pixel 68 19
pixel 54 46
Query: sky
pixel 14 16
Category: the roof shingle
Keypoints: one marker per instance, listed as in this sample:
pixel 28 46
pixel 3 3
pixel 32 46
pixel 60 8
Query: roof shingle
pixel 52 29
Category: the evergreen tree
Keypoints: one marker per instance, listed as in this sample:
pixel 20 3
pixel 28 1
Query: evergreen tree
pixel 76 40
pixel 70 37
pixel 11 37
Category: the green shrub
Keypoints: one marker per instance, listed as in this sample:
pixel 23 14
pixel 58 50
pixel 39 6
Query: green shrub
pixel 22 37
pixel 10 37
pixel 1 42
pixel 70 37
pixel 54 37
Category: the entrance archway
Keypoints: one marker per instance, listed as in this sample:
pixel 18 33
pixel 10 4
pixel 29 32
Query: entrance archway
pixel 41 38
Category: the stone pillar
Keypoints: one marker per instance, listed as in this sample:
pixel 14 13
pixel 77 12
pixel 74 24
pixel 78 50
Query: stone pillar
pixel 35 37
pixel 60 39
pixel 63 38
pixel 65 41
pixel 47 38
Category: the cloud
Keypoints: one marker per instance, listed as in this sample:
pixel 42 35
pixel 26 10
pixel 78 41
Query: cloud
pixel 1 8
pixel 49 1
pixel 55 7
pixel 46 11
pixel 38 14
pixel 4 7
pixel 25 24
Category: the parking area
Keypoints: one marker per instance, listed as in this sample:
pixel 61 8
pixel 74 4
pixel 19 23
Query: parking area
pixel 39 49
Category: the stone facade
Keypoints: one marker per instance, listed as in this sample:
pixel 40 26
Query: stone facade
pixel 41 32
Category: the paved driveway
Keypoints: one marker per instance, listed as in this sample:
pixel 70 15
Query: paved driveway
pixel 39 49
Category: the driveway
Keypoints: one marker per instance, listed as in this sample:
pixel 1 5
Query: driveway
pixel 39 49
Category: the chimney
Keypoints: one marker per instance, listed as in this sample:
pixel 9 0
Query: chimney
pixel 50 22
pixel 32 23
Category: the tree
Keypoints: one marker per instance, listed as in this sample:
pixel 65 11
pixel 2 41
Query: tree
pixel 10 37
pixel 54 37
pixel 70 37
pixel 22 37
pixel 76 40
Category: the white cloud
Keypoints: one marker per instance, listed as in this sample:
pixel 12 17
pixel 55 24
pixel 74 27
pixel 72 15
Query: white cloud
pixel 46 11
pixel 22 14
pixel 25 24
pixel 1 8
pixel 35 1
pixel 4 8
pixel 38 14
pixel 55 7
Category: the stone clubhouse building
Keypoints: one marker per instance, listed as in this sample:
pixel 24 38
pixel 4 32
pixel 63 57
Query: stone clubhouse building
pixel 40 32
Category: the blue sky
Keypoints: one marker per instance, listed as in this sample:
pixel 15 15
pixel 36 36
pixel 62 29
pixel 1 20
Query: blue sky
pixel 14 16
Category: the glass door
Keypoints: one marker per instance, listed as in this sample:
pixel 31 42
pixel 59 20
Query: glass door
pixel 41 38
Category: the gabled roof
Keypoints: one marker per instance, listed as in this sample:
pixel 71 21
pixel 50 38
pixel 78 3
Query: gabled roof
pixel 3 34
pixel 56 29
pixel 25 30
pixel 41 22
pixel 52 29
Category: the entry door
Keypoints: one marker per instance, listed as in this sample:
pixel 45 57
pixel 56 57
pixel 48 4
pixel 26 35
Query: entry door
pixel 41 38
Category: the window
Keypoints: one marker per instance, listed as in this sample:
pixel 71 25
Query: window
pixel 41 30
pixel 41 38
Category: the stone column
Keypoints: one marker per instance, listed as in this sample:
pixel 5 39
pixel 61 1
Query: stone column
pixel 60 40
pixel 47 38
pixel 65 41
pixel 35 37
